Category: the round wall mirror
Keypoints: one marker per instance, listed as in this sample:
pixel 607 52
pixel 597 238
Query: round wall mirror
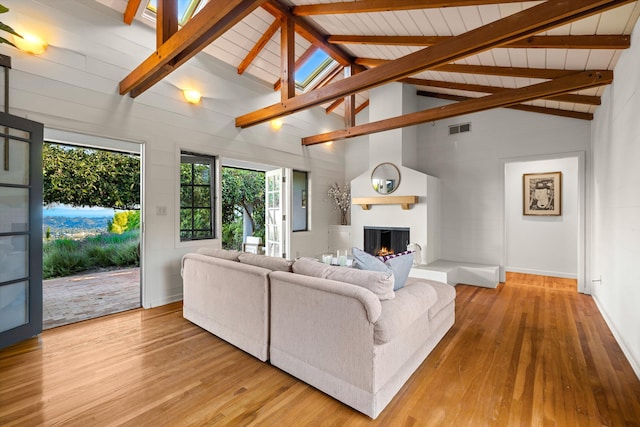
pixel 385 178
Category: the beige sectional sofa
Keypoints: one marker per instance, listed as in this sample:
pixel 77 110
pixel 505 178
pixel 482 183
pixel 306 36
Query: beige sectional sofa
pixel 336 336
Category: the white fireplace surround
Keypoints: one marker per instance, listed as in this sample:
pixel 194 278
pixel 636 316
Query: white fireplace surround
pixel 423 218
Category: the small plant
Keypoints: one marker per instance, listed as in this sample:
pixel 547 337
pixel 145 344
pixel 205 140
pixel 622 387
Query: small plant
pixel 8 29
pixel 341 197
pixel 48 233
pixel 123 222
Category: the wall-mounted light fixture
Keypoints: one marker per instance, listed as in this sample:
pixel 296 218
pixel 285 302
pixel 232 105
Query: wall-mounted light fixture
pixel 30 43
pixel 192 96
pixel 276 124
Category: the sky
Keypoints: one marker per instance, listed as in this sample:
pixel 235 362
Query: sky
pixel 69 211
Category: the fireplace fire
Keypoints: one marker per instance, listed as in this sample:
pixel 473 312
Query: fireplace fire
pixel 381 241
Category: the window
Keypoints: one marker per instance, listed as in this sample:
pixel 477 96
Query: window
pixel 186 9
pixel 300 201
pixel 313 69
pixel 197 196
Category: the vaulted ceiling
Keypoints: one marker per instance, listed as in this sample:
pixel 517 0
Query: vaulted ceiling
pixel 551 57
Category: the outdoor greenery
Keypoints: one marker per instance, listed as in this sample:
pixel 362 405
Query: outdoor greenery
pixel 64 257
pixel 195 201
pixel 124 221
pixel 242 191
pixel 85 177
pixel 5 27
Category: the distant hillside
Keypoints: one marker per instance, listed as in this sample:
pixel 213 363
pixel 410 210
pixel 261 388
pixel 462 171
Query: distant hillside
pixel 72 225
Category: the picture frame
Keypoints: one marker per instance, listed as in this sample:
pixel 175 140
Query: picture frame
pixel 542 194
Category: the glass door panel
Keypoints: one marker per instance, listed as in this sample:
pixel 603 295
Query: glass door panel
pixel 20 229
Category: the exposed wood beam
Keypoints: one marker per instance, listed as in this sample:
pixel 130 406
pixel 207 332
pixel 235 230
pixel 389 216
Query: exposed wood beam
pixel 363 6
pixel 534 73
pixel 349 103
pixel 543 42
pixel 362 106
pixel 130 11
pixel 257 48
pixel 522 24
pixel 583 80
pixel 309 32
pixel 330 76
pixel 215 18
pixel 166 20
pixel 520 107
pixel 287 60
pixel 578 99
pixel 307 53
pixel 335 104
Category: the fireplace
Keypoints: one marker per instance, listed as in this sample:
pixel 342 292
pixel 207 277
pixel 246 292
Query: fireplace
pixel 385 240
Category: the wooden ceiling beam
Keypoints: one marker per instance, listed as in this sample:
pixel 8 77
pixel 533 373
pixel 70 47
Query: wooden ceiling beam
pixel 519 107
pixel 166 20
pixel 215 18
pixel 582 80
pixel 542 42
pixel 287 60
pixel 364 6
pixel 525 23
pixel 573 98
pixel 309 32
pixel 260 44
pixel 307 53
pixel 130 11
pixel 362 106
pixel 533 73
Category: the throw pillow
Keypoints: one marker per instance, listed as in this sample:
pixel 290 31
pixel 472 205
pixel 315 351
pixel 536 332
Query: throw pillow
pixel 230 255
pixel 399 264
pixel 264 261
pixel 380 283
pixel 401 267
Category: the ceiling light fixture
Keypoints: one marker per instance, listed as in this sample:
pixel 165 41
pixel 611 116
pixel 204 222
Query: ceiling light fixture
pixel 276 124
pixel 192 96
pixel 30 43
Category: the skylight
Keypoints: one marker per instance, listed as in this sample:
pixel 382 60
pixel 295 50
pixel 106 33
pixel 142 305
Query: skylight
pixel 186 9
pixel 317 64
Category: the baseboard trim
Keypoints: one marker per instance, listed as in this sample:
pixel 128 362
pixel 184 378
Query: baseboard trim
pixel 163 301
pixel 541 272
pixel 635 365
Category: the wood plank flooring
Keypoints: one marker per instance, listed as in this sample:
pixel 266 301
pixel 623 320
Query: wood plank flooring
pixel 524 354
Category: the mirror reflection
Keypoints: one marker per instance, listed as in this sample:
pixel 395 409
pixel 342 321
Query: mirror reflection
pixel 385 178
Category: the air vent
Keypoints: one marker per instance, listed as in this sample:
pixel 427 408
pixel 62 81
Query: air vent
pixel 459 128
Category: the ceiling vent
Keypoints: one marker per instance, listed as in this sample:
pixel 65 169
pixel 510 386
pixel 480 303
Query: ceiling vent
pixel 459 128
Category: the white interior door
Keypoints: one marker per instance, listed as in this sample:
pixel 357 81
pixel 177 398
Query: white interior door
pixel 276 218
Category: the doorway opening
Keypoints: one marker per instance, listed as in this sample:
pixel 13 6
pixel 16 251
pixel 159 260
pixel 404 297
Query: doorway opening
pixel 92 234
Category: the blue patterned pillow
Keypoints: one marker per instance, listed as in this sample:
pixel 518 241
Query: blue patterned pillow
pixel 398 264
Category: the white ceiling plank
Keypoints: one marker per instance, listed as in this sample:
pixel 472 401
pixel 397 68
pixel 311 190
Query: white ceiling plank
pixel 600 59
pixel 454 20
pixel 556 58
pixel 422 23
pixel 438 22
pixel 471 17
pixel 536 58
pixel 518 58
pixel 585 26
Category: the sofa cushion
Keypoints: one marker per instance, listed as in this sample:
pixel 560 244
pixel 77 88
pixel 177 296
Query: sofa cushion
pixel 264 261
pixel 411 302
pixel 230 255
pixel 399 265
pixel 445 294
pixel 380 283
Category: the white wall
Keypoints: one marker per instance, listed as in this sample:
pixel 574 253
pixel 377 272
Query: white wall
pixel 74 86
pixel 616 202
pixel 471 170
pixel 544 245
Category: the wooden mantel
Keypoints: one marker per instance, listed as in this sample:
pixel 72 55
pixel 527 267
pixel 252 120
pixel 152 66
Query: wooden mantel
pixel 404 201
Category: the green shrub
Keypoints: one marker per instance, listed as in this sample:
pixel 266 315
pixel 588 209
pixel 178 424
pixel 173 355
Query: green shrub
pixel 65 257
pixel 124 221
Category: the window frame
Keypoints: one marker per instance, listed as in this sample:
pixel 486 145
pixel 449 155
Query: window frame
pixel 186 156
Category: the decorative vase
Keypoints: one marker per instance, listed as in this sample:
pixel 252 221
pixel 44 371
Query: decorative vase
pixel 343 217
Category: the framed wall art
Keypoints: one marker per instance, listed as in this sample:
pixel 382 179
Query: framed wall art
pixel 542 194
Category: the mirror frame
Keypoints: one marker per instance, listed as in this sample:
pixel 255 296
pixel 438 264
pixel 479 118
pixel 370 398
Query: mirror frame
pixel 378 167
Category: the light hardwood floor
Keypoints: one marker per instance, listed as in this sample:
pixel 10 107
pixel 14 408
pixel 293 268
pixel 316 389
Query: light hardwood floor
pixel 524 354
